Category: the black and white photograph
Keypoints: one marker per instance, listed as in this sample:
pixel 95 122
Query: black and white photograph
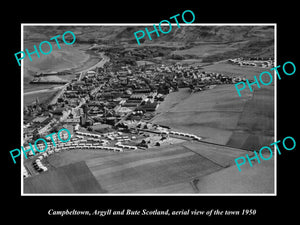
pixel 176 114
pixel 149 112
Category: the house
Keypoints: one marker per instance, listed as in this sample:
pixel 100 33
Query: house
pixel 149 106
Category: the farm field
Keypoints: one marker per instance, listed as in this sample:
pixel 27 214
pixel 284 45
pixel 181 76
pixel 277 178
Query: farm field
pixel 255 127
pixel 71 178
pixel 252 180
pixel 219 116
pixel 206 49
pixel 211 114
pixel 158 168
pixel 66 157
pixel 257 179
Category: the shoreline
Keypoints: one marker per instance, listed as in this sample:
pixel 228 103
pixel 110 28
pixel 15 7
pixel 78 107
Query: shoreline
pixel 30 92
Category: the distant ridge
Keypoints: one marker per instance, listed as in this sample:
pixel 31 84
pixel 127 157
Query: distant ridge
pixel 248 41
pixel 97 34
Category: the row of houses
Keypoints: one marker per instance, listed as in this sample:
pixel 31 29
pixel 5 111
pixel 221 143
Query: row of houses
pixel 193 136
pixel 252 62
pixel 111 136
pixel 126 146
pixel 88 134
pixel 81 144
pixel 37 165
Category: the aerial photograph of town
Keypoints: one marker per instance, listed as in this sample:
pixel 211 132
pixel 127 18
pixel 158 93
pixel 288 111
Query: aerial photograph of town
pixel 163 117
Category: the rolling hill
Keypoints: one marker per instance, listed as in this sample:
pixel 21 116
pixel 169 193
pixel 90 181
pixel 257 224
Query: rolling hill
pixel 187 34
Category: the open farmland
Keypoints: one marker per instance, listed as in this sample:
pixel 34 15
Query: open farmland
pixel 67 157
pixel 219 116
pixel 255 127
pixel 71 178
pixel 146 171
pixel 253 180
pixel 156 168
pixel 212 114
pixel 206 49
pixel 257 179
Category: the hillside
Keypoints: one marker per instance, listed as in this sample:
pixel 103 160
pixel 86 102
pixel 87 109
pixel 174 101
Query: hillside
pixel 187 34
pixel 219 116
pixel 209 43
pixel 198 43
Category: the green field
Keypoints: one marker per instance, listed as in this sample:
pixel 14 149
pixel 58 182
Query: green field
pixel 255 127
pixel 206 49
pixel 151 170
pixel 71 178
pixel 220 116
pixel 258 179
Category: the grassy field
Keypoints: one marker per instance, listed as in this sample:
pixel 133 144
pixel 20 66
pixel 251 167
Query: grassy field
pixel 206 49
pixel 67 157
pixel 212 114
pixel 258 179
pixel 220 116
pixel 255 127
pixel 148 171
pixel 71 178
pixel 137 172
